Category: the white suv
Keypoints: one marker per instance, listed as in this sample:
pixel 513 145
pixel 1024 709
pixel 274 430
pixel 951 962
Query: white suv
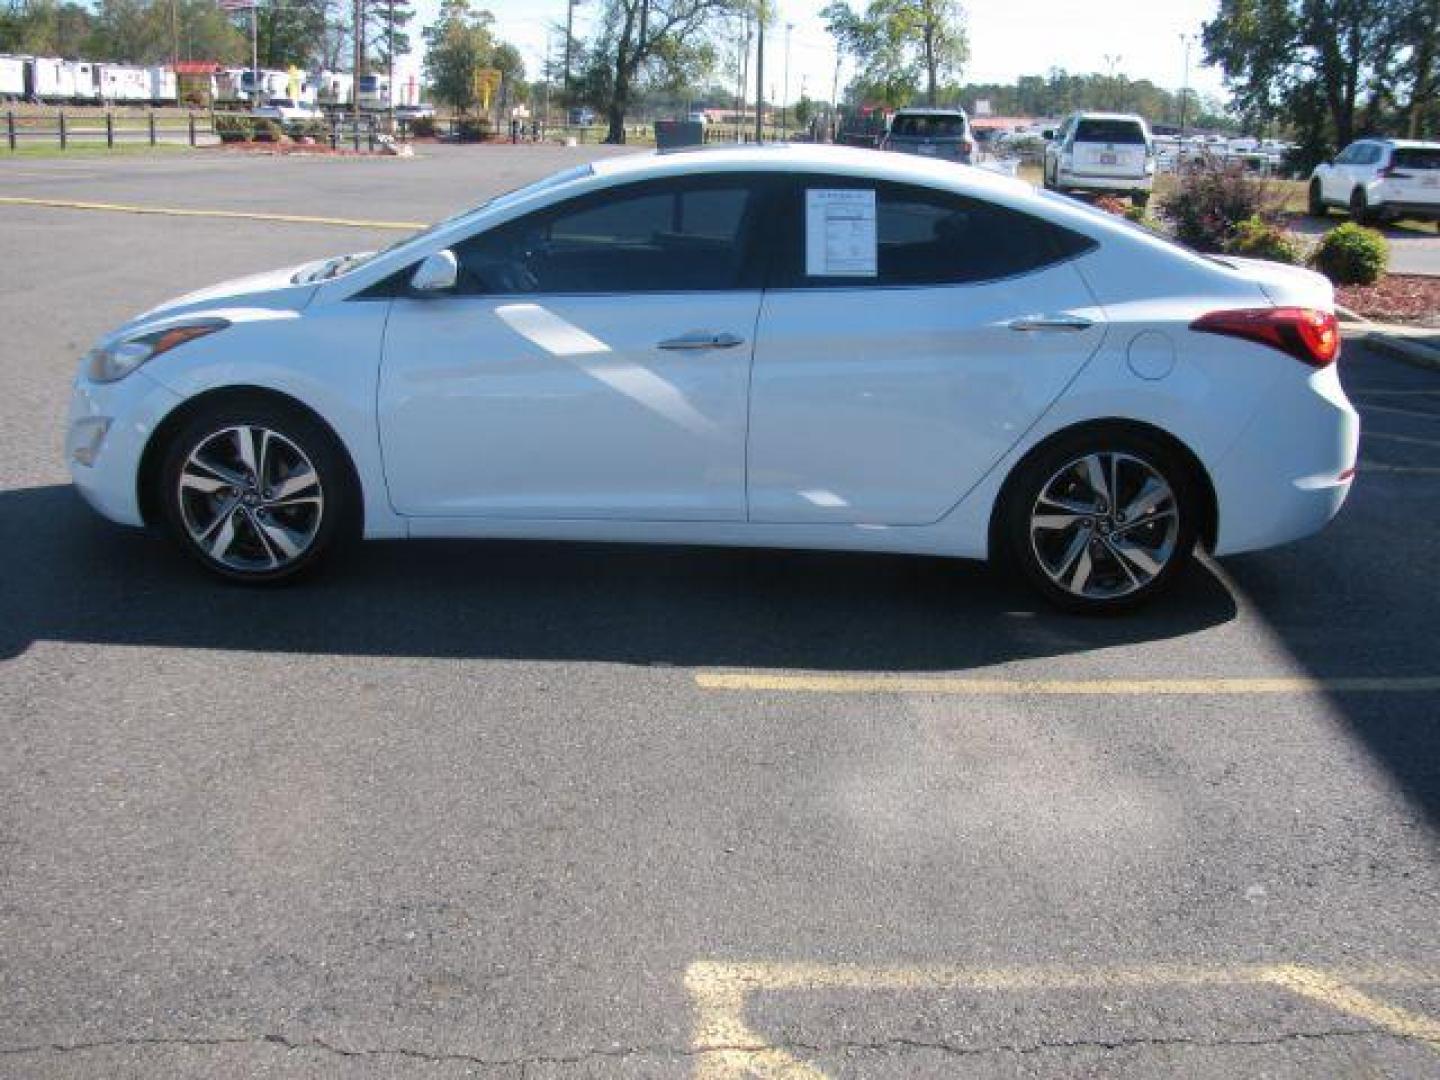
pixel 1380 180
pixel 1102 152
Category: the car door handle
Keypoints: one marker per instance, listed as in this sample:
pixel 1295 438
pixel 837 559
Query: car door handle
pixel 702 340
pixel 1062 323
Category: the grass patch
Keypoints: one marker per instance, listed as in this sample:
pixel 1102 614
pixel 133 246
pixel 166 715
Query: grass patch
pixel 49 149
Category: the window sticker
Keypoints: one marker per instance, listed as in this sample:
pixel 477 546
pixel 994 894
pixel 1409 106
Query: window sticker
pixel 840 239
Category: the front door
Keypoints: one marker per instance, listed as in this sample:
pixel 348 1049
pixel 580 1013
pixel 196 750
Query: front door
pixel 593 361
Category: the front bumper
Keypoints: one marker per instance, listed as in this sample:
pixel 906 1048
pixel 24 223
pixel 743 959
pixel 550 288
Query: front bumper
pixel 1289 472
pixel 109 427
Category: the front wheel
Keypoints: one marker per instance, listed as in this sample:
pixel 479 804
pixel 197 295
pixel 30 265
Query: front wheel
pixel 1102 521
pixel 255 491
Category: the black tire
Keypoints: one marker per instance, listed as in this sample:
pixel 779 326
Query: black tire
pixel 1315 201
pixel 1140 199
pixel 1360 207
pixel 269 541
pixel 1110 578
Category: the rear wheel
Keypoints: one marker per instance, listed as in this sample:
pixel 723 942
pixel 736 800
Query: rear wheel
pixel 1360 207
pixel 255 491
pixel 1102 521
pixel 1140 199
pixel 1315 203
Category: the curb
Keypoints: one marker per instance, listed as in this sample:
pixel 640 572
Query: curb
pixel 1421 350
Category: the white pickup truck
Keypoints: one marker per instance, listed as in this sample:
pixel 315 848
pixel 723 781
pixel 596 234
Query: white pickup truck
pixel 1380 180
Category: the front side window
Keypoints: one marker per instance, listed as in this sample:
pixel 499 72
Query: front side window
pixel 928 237
pixel 669 236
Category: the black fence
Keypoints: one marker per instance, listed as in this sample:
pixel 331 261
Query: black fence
pixel 94 129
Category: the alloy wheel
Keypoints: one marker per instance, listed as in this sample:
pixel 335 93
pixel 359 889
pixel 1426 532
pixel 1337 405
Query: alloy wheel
pixel 1105 526
pixel 250 499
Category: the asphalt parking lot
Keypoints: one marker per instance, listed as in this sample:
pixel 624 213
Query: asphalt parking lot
pixel 533 810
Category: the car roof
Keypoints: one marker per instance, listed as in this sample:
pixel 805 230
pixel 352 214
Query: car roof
pixel 1406 144
pixel 1084 115
pixel 806 157
pixel 918 111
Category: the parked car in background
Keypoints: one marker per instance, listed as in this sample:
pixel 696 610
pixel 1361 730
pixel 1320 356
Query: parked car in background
pixel 582 116
pixel 1102 153
pixel 792 346
pixel 287 111
pixel 1380 180
pixel 418 111
pixel 937 133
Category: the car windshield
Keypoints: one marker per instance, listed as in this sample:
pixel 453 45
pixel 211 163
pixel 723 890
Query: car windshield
pixel 1417 157
pixel 1127 132
pixel 346 263
pixel 928 127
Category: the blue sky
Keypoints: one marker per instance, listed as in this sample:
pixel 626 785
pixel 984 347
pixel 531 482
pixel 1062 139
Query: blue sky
pixel 1008 38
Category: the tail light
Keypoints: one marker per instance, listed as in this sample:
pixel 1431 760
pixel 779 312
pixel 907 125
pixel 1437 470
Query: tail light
pixel 1310 336
pixel 967 148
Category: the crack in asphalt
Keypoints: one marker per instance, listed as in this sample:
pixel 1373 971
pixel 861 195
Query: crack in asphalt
pixel 888 1045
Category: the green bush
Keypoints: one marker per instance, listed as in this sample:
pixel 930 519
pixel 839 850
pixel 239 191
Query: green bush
pixel 1211 201
pixel 423 127
pixel 268 131
pixel 1256 238
pixel 309 129
pixel 232 129
pixel 472 129
pixel 1351 254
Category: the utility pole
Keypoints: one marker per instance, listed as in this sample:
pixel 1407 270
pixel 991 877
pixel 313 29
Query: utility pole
pixel 835 97
pixel 760 73
pixel 785 101
pixel 744 83
pixel 254 53
pixel 1185 40
pixel 390 58
pixel 359 62
pixel 175 37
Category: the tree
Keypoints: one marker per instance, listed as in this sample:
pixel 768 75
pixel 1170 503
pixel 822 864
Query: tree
pixel 457 46
pixel 1333 69
pixel 381 16
pixel 291 34
pixel 647 43
pixel 901 45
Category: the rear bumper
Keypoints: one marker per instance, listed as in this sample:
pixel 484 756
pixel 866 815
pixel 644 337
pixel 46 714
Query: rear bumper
pixel 1291 469
pixel 1082 181
pixel 1428 211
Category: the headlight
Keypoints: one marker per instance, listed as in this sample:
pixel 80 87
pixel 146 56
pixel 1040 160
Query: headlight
pixel 109 363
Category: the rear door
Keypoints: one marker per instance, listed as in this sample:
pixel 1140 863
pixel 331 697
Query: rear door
pixel 909 338
pixel 1110 148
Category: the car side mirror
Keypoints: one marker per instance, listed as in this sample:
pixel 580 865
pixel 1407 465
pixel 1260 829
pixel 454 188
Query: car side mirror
pixel 438 272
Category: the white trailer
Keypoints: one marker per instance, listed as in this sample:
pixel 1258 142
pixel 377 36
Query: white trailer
pixel 271 84
pixel 12 76
pixel 374 92
pixel 163 86
pixel 227 85
pixel 334 89
pixel 123 83
pixel 52 79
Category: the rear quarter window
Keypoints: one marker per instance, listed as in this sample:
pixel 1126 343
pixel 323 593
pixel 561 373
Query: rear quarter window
pixel 1421 158
pixel 1110 131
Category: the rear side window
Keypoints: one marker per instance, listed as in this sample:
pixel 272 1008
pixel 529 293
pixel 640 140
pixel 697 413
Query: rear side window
pixel 1420 158
pixel 927 237
pixel 928 127
pixel 1127 132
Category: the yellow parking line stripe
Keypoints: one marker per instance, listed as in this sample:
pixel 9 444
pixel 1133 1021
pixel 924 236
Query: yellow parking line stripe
pixel 728 1047
pixel 1318 986
pixel 237 215
pixel 935 684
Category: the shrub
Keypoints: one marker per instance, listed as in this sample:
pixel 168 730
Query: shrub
pixel 268 131
pixel 233 129
pixel 1212 199
pixel 423 127
pixel 1351 254
pixel 472 129
pixel 1256 238
pixel 1111 204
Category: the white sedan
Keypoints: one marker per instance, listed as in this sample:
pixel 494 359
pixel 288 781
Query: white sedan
pixel 803 347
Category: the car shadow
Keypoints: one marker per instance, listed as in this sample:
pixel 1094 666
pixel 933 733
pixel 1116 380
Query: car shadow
pixel 85 580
